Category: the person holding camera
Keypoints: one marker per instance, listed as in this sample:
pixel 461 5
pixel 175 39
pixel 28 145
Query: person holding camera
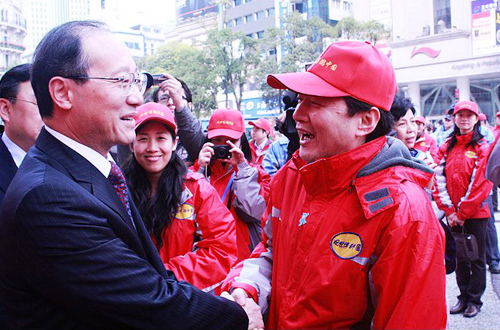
pixel 461 192
pixel 243 188
pixel 192 230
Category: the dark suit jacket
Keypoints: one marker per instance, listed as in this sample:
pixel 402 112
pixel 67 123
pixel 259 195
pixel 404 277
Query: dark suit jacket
pixel 70 258
pixel 8 169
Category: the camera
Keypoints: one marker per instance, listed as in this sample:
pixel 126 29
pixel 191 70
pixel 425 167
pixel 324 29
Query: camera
pixel 222 152
pixel 158 78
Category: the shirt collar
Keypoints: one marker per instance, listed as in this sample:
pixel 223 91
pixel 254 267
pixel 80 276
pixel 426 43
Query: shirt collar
pixel 101 163
pixel 16 151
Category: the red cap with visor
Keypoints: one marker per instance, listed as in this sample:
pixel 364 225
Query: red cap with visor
pixel 152 111
pixel 226 122
pixel 346 68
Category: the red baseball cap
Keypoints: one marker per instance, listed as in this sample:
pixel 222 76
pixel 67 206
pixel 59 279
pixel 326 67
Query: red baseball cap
pixel 482 116
pixel 498 114
pixel 466 105
pixel 226 122
pixel 152 111
pixel 346 68
pixel 420 119
pixel 261 123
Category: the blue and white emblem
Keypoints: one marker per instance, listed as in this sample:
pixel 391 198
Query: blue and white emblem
pixel 303 219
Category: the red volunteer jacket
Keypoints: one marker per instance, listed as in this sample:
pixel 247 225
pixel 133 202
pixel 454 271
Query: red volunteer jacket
pixel 247 190
pixel 427 143
pixel 199 245
pixel 258 159
pixel 461 185
pixel 344 233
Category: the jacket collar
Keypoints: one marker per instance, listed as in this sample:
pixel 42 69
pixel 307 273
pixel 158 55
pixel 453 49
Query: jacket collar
pixel 338 172
pixel 464 139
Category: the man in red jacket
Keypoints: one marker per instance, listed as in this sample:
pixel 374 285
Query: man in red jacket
pixel 425 142
pixel 351 239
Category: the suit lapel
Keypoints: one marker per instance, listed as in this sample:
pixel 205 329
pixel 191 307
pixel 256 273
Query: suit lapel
pixel 82 172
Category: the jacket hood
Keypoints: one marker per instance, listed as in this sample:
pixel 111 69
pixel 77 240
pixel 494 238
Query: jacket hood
pixel 393 153
pixel 340 171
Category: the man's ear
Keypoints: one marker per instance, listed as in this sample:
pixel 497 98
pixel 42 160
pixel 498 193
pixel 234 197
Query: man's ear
pixel 368 122
pixel 60 91
pixel 5 109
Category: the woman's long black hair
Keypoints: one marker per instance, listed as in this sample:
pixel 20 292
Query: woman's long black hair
pixel 157 212
pixel 476 136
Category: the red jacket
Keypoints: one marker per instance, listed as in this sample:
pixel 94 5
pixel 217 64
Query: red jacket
pixel 427 143
pixel 199 245
pixel 246 196
pixel 258 159
pixel 460 185
pixel 341 230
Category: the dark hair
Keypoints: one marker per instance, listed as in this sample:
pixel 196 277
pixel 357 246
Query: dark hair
pixel 60 53
pixel 384 125
pixel 187 92
pixel 476 136
pixel 400 107
pixel 158 211
pixel 9 84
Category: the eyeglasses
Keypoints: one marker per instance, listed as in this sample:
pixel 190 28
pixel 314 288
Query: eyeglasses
pixel 17 99
pixel 140 80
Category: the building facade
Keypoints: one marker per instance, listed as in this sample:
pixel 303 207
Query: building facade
pixel 449 52
pixel 12 34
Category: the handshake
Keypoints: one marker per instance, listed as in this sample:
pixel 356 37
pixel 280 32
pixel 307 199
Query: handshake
pixel 253 311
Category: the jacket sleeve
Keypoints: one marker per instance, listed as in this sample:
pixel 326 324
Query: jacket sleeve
pixel 479 188
pixel 271 162
pixel 254 274
pixel 409 277
pixel 212 257
pixel 190 132
pixel 69 240
pixel 251 189
pixel 440 194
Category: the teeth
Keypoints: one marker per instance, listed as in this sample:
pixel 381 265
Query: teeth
pixel 306 137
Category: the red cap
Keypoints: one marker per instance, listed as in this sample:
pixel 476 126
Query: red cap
pixel 345 68
pixel 261 123
pixel 226 122
pixel 482 116
pixel 498 114
pixel 466 105
pixel 152 111
pixel 420 119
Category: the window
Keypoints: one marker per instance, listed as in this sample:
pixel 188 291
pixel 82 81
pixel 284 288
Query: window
pixel 146 29
pixel 249 18
pixel 260 34
pixel 442 15
pixel 238 21
pixel 237 2
pixel 270 12
pixel 260 15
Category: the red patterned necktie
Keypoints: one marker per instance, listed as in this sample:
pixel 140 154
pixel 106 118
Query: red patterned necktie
pixel 117 179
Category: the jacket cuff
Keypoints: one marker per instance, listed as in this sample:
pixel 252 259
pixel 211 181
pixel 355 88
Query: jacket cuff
pixel 250 290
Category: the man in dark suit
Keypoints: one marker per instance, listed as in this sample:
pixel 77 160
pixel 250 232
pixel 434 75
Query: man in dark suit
pixel 22 120
pixel 74 252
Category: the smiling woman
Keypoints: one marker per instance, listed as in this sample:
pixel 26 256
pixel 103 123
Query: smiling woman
pixel 193 231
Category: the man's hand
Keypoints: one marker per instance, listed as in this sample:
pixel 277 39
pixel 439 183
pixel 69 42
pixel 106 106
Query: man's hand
pixel 251 308
pixel 174 88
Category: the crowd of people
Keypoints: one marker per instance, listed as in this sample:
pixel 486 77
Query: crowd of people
pixel 340 218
